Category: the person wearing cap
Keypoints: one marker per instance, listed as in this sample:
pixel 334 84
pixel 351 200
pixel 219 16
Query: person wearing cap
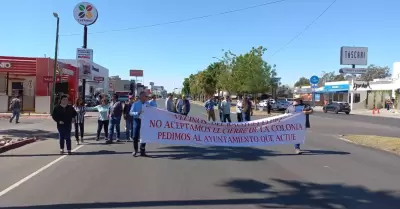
pixel 152 102
pixel 299 106
pixel 128 118
pixel 116 111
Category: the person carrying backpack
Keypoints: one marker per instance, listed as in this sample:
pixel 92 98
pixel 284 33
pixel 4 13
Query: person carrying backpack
pixel 15 107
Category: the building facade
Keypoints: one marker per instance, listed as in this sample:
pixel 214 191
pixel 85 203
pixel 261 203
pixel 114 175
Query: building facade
pixel 32 79
pixel 93 85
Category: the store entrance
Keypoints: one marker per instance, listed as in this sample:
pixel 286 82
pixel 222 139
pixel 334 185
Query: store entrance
pixel 61 89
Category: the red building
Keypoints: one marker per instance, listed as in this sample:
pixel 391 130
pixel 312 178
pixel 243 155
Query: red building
pixel 32 78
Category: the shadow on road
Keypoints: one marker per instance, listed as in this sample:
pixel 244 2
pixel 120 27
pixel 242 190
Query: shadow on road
pixel 305 195
pixel 312 195
pixel 228 153
pixel 20 133
pixel 100 152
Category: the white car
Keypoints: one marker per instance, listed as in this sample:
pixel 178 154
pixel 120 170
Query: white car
pixel 280 105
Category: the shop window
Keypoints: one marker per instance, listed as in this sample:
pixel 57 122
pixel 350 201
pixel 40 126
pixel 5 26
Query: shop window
pixel 356 98
pixel 17 85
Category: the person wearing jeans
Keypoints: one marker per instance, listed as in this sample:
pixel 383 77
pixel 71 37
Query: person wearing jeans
pixel 226 110
pixel 103 119
pixel 136 112
pixel 128 119
pixel 64 115
pixel 116 110
pixel 79 119
pixel 15 107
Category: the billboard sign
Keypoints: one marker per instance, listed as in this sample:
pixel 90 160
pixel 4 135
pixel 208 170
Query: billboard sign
pixel 136 73
pixel 85 13
pixel 353 55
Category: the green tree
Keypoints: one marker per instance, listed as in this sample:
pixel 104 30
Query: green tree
pixel 186 86
pixel 249 73
pixel 330 77
pixel 375 72
pixel 303 81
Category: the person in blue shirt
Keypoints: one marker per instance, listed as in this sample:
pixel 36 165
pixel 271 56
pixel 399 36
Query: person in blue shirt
pixel 153 102
pixel 136 112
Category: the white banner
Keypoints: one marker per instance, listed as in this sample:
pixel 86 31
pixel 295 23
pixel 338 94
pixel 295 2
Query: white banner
pixel 160 126
pixel 84 58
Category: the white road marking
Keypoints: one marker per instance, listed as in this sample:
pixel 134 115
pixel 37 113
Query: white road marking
pixel 5 191
pixel 329 167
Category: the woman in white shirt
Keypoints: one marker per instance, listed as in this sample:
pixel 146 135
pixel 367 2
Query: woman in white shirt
pixel 239 109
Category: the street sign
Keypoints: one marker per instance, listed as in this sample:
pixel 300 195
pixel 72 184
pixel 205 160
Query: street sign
pixel 136 73
pixel 353 70
pixel 84 59
pixel 314 79
pixel 314 86
pixel 353 55
pixel 85 13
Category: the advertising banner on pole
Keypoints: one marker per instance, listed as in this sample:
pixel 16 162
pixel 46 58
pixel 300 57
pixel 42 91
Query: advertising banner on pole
pixel 84 58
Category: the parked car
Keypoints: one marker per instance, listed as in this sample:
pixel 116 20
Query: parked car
pixel 281 105
pixel 337 107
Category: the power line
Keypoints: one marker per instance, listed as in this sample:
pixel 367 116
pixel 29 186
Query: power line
pixel 305 29
pixel 182 20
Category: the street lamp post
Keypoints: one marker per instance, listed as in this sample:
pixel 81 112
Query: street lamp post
pixel 55 63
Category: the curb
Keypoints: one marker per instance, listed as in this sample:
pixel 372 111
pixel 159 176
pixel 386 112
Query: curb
pixel 16 145
pixel 35 116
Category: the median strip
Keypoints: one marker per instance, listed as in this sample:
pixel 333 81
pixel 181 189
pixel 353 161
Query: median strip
pixel 389 144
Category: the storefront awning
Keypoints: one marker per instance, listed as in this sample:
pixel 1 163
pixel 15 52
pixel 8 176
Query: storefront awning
pixel 336 88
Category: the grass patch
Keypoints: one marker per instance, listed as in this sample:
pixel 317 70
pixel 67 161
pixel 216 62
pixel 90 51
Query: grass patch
pixel 390 144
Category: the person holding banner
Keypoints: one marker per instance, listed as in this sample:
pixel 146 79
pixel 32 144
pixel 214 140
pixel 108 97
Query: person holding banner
pixel 299 106
pixel 136 112
pixel 153 102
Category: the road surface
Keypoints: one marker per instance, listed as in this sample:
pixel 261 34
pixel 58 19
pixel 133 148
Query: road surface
pixel 332 174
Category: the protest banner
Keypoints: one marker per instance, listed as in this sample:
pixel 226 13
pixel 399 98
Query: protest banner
pixel 160 126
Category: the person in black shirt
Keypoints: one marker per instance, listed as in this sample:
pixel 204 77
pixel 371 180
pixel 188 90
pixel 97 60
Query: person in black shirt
pixel 64 115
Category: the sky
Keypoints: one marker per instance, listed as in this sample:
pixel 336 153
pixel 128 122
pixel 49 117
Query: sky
pixel 170 52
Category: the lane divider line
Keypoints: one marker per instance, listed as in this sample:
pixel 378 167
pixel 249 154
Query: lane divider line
pixel 17 184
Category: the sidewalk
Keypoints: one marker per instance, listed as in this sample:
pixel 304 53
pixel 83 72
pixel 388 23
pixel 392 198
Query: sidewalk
pixel 39 115
pixel 382 112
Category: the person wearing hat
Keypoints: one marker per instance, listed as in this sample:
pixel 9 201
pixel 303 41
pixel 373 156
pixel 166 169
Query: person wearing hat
pixel 128 118
pixel 299 106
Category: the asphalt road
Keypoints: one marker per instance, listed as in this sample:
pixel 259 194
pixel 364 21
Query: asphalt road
pixel 332 174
